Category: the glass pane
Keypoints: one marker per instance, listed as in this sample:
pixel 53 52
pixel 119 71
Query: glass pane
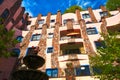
pixel 49 72
pixel 91 31
pixel 36 37
pixel 83 71
pixel 55 73
pixel 50 50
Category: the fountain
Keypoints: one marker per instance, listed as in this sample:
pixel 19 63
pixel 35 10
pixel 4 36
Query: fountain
pixel 29 71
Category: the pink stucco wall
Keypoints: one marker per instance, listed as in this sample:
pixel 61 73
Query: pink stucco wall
pixel 6 67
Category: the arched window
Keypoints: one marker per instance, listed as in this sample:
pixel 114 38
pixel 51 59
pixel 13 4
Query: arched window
pixel 19 38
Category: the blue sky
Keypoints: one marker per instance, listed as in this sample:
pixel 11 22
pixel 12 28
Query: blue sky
pixel 35 7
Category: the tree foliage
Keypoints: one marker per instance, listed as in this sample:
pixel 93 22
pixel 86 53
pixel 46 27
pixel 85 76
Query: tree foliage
pixel 107 61
pixel 72 9
pixel 7 42
pixel 113 4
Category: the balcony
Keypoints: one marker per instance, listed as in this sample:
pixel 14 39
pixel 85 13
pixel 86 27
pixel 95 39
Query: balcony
pixel 64 27
pixel 70 36
pixel 75 48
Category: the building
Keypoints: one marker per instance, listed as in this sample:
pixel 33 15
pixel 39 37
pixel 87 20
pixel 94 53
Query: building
pixel 12 16
pixel 65 41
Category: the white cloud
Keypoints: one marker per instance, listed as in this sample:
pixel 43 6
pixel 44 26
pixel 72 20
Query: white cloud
pixel 78 2
pixel 86 3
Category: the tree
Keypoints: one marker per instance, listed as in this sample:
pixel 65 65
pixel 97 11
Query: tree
pixel 7 42
pixel 106 64
pixel 72 9
pixel 112 4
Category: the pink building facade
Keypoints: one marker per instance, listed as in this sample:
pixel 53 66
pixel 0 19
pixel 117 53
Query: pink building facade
pixel 12 17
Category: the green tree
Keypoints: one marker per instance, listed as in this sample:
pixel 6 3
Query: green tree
pixel 106 64
pixel 112 4
pixel 7 42
pixel 72 9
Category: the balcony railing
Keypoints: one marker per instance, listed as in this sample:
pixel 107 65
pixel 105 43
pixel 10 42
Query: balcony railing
pixel 70 40
pixel 69 37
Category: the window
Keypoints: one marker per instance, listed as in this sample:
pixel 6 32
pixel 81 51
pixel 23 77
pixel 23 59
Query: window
pixel 91 31
pixel 36 37
pixel 50 35
pixel 5 14
pixel 1 1
pixel 19 38
pixel 53 20
pixel 71 51
pixel 99 44
pixel 16 52
pixel 31 51
pixel 23 20
pixel 82 71
pixel 102 14
pixel 52 72
pixel 65 20
pixel 41 21
pixel 49 49
pixel 86 15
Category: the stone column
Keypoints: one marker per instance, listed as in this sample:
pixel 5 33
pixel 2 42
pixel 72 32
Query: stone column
pixel 42 45
pixel 59 18
pixel 26 41
pixel 56 46
pixel 78 15
pixel 103 8
pixel 92 16
pixel 38 18
pixel 88 46
pixel 48 19
pixel 103 27
pixel 69 24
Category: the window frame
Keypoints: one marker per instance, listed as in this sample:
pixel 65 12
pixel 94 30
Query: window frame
pixel 19 38
pixel 41 21
pixel 1 1
pixel 32 51
pixel 103 13
pixel 35 37
pixel 65 20
pixel 88 30
pixel 99 44
pixel 50 51
pixel 16 51
pixel 84 70
pixel 85 15
pixel 5 14
pixel 53 72
pixel 71 51
pixel 52 20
